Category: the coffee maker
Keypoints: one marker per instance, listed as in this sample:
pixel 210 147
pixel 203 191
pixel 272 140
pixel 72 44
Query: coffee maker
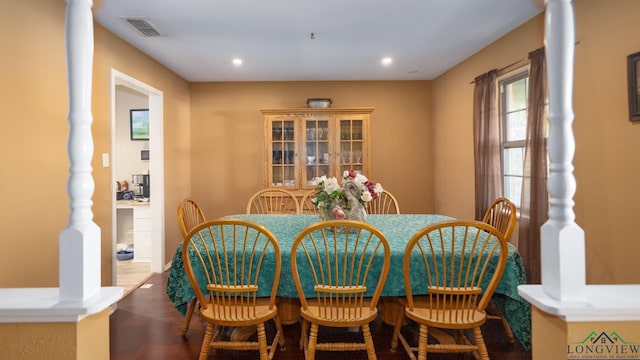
pixel 140 186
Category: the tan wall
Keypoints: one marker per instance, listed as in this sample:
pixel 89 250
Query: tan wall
pixel 34 132
pixel 228 137
pixel 112 52
pixel 453 117
pixel 607 160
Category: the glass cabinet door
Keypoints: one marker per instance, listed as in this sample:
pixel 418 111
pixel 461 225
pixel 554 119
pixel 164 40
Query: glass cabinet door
pixel 317 150
pixel 351 145
pixel 303 144
pixel 283 140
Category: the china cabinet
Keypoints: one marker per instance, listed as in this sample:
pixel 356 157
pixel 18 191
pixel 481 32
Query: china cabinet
pixel 305 143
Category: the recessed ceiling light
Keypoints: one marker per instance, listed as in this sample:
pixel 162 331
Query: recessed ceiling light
pixel 387 61
pixel 237 62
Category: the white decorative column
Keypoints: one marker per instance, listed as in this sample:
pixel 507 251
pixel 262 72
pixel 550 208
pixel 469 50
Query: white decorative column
pixel 566 313
pixel 72 321
pixel 80 240
pixel 562 245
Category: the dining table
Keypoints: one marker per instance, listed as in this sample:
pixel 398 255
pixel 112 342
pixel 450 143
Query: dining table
pixel 398 229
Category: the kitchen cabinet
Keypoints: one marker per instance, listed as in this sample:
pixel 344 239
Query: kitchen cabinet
pixel 140 214
pixel 305 143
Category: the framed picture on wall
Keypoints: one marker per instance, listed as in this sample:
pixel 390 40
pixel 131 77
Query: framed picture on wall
pixel 633 70
pixel 139 124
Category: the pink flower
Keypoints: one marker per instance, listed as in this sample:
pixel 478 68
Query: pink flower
pixel 338 212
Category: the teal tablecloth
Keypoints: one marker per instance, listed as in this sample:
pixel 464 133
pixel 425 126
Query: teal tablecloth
pixel 398 229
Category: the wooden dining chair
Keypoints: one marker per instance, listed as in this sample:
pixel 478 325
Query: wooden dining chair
pixel 189 216
pixel 238 265
pixel 273 201
pixel 306 203
pixel 344 264
pixel 386 203
pixel 501 214
pixel 450 292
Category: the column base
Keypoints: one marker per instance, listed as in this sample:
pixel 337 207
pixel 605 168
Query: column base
pixel 35 324
pixel 85 339
pixel 603 325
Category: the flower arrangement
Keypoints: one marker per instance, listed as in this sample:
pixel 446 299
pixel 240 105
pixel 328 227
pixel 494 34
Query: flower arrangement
pixel 345 200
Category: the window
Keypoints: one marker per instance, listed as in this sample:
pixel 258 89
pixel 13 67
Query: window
pixel 513 132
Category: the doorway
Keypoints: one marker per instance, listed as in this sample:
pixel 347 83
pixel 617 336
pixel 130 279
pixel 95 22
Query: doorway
pixel 153 255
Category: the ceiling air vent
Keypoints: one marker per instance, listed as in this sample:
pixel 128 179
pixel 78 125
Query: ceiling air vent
pixel 143 26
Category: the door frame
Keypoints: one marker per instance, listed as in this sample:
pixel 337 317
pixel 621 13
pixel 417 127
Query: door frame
pixel 156 168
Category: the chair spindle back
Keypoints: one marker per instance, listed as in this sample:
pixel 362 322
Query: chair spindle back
pixel 348 261
pixel 502 216
pixel 455 286
pixel 386 203
pixel 232 255
pixel 273 201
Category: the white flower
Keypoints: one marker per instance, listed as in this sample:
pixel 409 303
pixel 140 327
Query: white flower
pixel 353 186
pixel 331 185
pixel 361 179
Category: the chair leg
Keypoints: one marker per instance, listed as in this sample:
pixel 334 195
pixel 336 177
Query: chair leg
pixel 304 330
pixel 313 340
pixel 422 342
pixel 482 347
pixel 277 340
pixel 397 335
pixel 262 342
pixel 187 318
pixel 206 342
pixel 217 333
pixel 279 330
pixel 498 315
pixel 368 340
pixel 507 329
pixel 396 329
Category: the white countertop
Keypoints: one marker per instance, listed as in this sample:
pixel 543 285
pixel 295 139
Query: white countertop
pixel 600 303
pixel 128 204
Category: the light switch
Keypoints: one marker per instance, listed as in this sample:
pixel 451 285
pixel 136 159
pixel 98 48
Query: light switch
pixel 105 160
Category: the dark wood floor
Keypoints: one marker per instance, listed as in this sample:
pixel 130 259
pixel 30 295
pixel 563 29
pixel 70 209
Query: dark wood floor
pixel 146 326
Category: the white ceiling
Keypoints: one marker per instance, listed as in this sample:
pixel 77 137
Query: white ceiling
pixel 272 37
